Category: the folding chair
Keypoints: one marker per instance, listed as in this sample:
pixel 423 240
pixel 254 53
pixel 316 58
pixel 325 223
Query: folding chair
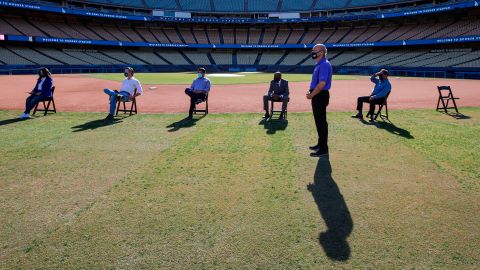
pixel 133 108
pixel 46 107
pixel 380 108
pixel 204 111
pixel 446 99
pixel 273 111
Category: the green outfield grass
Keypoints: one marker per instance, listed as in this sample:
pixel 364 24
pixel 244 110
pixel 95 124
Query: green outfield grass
pixel 187 77
pixel 231 192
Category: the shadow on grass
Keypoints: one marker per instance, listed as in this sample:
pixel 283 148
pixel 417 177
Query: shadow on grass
pixel 11 121
pixel 97 124
pixel 184 123
pixel 390 127
pixel 274 125
pixel 334 211
pixel 459 116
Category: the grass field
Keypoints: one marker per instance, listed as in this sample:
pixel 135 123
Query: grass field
pixel 228 191
pixel 187 77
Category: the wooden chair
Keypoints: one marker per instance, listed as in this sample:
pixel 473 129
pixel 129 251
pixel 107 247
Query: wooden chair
pixel 445 98
pixel 204 111
pixel 273 111
pixel 133 107
pixel 380 109
pixel 46 107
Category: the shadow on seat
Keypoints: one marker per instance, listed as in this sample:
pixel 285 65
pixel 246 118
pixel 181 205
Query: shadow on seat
pixel 273 126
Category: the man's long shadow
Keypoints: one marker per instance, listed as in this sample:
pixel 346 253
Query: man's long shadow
pixel 91 125
pixel 184 123
pixel 334 211
pixel 11 121
pixel 391 127
pixel 274 125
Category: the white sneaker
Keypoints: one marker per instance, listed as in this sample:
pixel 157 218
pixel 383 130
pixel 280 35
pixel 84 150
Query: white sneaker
pixel 24 116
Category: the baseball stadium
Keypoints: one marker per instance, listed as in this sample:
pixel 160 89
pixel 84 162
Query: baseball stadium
pixel 182 134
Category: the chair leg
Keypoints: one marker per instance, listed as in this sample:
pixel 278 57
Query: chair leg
pixel 118 107
pixel 454 104
pixel 53 104
pixel 438 103
pixel 131 107
pixel 46 107
pixel 206 108
pixel 35 110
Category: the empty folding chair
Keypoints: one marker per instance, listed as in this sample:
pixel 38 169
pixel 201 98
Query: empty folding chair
pixel 445 95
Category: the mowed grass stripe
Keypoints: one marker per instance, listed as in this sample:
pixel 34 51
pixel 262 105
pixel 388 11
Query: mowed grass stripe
pixel 233 193
pixel 196 213
pixel 405 213
pixel 51 172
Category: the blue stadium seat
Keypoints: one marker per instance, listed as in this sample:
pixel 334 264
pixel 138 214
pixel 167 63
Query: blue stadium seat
pixel 331 4
pixel 226 6
pixel 162 4
pixel 296 5
pixel 262 5
pixel 195 5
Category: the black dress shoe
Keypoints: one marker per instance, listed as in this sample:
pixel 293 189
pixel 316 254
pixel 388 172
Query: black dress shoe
pixel 319 154
pixel 314 148
pixel 358 115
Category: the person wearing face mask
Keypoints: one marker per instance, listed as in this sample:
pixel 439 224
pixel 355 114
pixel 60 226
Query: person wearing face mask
pixel 198 90
pixel 278 92
pixel 41 91
pixel 379 93
pixel 127 91
pixel 319 94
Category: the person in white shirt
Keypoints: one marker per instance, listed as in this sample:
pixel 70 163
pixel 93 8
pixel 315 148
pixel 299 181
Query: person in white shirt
pixel 126 92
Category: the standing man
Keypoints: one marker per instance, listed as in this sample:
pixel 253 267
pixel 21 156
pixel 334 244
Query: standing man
pixel 126 92
pixel 379 94
pixel 278 92
pixel 198 91
pixel 320 96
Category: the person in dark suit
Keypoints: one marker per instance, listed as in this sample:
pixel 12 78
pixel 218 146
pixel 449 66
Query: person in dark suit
pixel 278 92
pixel 42 90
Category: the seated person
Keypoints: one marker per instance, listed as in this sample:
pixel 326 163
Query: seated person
pixel 379 93
pixel 41 91
pixel 278 92
pixel 126 92
pixel 198 90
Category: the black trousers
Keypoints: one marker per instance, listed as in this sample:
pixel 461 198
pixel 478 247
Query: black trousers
pixel 319 107
pixel 366 99
pixel 267 98
pixel 193 98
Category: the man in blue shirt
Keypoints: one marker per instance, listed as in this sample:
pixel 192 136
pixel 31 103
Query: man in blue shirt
pixel 320 96
pixel 198 91
pixel 379 94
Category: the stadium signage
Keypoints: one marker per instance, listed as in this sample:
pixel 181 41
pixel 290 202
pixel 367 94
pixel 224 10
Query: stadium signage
pixel 82 12
pixel 243 46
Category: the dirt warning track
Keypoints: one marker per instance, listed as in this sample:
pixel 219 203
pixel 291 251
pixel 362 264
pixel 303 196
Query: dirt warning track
pixel 80 93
